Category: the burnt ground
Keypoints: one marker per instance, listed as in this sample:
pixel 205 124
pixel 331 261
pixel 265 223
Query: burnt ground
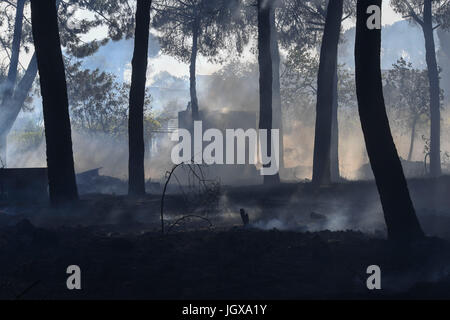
pixel 287 252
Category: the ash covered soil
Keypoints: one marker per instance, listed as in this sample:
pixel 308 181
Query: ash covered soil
pixel 287 252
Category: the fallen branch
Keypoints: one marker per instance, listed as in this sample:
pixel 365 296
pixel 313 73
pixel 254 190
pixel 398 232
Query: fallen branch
pixel 186 217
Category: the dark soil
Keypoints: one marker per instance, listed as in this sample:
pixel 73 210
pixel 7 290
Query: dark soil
pixel 117 243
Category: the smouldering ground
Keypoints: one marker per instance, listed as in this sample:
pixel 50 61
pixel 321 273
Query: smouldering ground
pixel 231 264
pixel 117 243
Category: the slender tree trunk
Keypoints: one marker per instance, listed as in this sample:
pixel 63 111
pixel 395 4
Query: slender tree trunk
pixel 15 51
pixel 277 113
pixel 265 78
pixel 8 88
pixel 61 172
pixel 335 174
pixel 413 138
pixel 399 213
pixel 325 85
pixel 192 73
pixel 435 105
pixel 136 171
pixel 14 104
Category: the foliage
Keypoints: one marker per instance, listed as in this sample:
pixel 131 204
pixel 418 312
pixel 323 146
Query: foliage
pixel 414 10
pixel 217 22
pixel 29 137
pixel 301 22
pixel 76 19
pixel 299 78
pixel 115 15
pixel 99 103
pixel 407 92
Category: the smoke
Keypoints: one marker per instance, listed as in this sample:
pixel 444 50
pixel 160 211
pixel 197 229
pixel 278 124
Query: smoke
pixel 235 87
pixel 91 152
pixel 297 208
pixel 410 45
pixel 29 158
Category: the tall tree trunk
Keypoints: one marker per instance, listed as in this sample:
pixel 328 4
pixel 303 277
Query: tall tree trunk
pixel 265 78
pixel 413 138
pixel 399 213
pixel 61 172
pixel 334 152
pixel 435 105
pixel 8 88
pixel 325 85
pixel 136 171
pixel 192 72
pixel 277 113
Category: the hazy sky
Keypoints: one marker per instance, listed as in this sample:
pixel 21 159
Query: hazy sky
pixel 203 67
pixel 389 16
pixel 176 68
pixel 165 63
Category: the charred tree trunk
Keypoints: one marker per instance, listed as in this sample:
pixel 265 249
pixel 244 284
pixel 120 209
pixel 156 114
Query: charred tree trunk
pixel 325 86
pixel 435 105
pixel 334 152
pixel 192 72
pixel 413 138
pixel 61 172
pixel 265 78
pixel 136 171
pixel 399 213
pixel 8 88
pixel 277 113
